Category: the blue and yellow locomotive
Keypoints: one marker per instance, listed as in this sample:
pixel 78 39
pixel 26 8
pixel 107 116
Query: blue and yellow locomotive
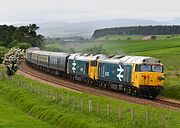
pixel 135 75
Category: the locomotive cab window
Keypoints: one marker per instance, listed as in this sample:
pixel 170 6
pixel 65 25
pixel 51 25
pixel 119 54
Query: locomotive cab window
pixel 94 63
pixel 148 68
pixel 145 68
pixel 157 68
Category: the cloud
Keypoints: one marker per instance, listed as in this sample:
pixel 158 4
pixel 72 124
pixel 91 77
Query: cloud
pixel 85 10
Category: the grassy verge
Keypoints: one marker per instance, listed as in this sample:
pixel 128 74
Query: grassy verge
pixel 58 107
pixel 12 117
pixel 171 87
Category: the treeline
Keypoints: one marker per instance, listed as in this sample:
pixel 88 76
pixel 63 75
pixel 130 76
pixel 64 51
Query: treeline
pixel 11 35
pixel 137 30
pixel 22 37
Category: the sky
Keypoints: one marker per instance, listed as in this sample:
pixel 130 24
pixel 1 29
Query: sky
pixel 28 11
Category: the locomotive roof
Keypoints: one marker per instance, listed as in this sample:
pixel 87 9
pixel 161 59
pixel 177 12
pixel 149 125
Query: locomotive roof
pixel 86 57
pixel 130 60
pixel 117 59
pixel 80 56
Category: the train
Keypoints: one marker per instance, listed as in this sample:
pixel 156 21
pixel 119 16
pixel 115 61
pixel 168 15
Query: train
pixel 134 75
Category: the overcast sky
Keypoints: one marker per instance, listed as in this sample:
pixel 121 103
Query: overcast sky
pixel 14 11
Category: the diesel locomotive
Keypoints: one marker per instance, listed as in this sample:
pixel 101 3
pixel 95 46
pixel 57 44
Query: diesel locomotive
pixel 134 75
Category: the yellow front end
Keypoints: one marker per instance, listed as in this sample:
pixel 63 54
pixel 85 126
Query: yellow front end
pixel 93 70
pixel 148 82
pixel 148 79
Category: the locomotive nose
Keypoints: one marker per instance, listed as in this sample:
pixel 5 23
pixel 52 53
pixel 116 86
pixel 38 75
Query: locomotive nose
pixel 160 78
pixel 151 79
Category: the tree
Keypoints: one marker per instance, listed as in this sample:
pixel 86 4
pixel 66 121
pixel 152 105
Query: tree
pixel 12 60
pixel 23 34
pixel 138 30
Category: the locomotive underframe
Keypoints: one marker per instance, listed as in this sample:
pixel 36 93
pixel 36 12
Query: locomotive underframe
pixel 152 91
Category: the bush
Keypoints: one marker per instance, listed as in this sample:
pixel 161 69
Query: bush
pixel 96 50
pixel 3 51
pixel 2 43
pixel 12 59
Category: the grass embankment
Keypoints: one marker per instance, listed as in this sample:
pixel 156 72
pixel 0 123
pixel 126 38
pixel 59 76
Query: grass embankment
pixel 49 108
pixel 165 47
pixel 12 117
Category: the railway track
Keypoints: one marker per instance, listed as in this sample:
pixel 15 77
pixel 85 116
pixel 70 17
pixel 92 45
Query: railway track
pixel 160 102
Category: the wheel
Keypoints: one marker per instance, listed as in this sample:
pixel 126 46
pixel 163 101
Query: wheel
pixel 126 90
pixel 135 92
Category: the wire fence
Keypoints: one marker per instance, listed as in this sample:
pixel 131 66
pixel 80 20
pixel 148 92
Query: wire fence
pixel 107 111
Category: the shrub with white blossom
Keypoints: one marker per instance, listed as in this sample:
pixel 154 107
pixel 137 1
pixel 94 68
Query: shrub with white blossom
pixel 12 60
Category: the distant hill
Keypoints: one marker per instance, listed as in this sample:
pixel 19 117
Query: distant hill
pixel 138 30
pixel 86 29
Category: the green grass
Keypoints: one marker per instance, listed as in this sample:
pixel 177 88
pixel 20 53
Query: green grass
pixel 171 87
pixel 65 114
pixel 13 117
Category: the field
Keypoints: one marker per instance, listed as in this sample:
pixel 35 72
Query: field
pixel 165 47
pixel 58 108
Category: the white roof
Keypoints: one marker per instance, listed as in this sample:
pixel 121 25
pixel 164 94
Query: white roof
pixel 47 53
pixel 117 59
pixel 131 60
pixel 80 56
pixel 86 57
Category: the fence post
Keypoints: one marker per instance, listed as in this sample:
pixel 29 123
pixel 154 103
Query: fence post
pixel 81 104
pixel 47 92
pixel 38 90
pixel 17 81
pixel 42 90
pixel 74 101
pixel 56 96
pixel 132 114
pixel 108 110
pixel 34 88
pixel 31 88
pixel 147 119
pixel 14 85
pixel 119 113
pixel 164 120
pixel 67 99
pixel 62 98
pixel 98 107
pixel 89 105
